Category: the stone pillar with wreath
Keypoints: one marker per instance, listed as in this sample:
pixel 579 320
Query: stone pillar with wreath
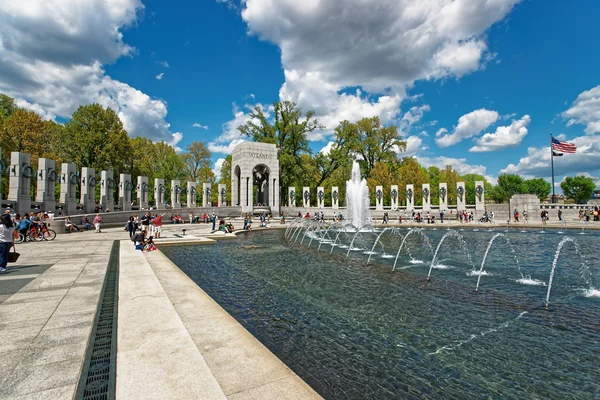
pixel 125 188
pixel 46 182
pixel 426 194
pixel 410 198
pixel 335 198
pixel 291 196
pixel 159 193
pixel 222 195
pixel 479 196
pixel 379 198
pixel 88 190
pixel 321 197
pixel 143 191
pixel 461 201
pixel 176 193
pixel 443 194
pixel 19 186
pixel 306 197
pixel 191 194
pixel 206 194
pixel 68 187
pixel 107 189
pixel 394 197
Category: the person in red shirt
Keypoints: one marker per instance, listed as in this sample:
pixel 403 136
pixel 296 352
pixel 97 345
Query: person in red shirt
pixel 157 221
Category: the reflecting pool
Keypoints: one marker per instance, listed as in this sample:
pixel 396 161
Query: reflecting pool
pixel 354 316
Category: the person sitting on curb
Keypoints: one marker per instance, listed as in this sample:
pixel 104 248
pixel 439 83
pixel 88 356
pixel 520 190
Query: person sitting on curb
pixel 140 240
pixel 85 222
pixel 71 226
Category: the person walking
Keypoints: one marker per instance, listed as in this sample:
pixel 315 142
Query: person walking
pixel 157 221
pixel 516 214
pixel 97 222
pixel 131 226
pixel 214 221
pixel 145 221
pixel 7 239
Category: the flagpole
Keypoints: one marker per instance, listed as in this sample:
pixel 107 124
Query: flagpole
pixel 552 162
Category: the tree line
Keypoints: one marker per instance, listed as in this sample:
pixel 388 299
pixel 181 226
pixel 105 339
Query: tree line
pixel 377 149
pixel 95 137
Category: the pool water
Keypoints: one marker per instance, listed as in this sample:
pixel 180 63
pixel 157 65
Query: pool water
pixel 358 331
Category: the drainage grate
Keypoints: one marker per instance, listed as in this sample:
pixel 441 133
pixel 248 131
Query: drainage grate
pixel 98 378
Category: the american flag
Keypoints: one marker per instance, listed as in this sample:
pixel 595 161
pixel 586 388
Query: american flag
pixel 563 147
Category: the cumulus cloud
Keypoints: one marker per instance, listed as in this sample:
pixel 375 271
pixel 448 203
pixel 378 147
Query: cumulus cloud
pixel 160 76
pixel 231 136
pixel 537 161
pixel 53 54
pixel 313 92
pixel 198 125
pixel 458 164
pixel 217 168
pixel 414 145
pixel 585 110
pixel 327 148
pixel 329 47
pixel 504 137
pixel 469 125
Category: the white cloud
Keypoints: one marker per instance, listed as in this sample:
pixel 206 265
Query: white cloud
pixel 585 110
pixel 414 145
pixel 469 125
pixel 312 92
pixel 36 108
pixel 224 148
pixel 537 161
pixel 440 132
pixel 198 125
pixel 160 76
pixel 52 54
pixel 327 148
pixel 504 137
pixel 458 164
pixel 328 47
pixel 217 168
pixel 163 63
pixel 231 136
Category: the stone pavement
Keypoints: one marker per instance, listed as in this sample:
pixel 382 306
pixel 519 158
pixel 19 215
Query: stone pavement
pixel 48 303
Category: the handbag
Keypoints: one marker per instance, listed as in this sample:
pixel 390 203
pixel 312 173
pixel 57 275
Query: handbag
pixel 14 256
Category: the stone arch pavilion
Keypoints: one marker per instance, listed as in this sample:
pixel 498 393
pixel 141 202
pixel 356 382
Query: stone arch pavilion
pixel 255 176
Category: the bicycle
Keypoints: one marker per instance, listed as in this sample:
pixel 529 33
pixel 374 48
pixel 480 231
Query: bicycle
pixel 44 233
pixel 18 236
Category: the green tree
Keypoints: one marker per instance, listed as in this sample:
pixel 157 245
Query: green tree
pixel 410 172
pixel 197 161
pixel 578 188
pixel 7 105
pixel 374 143
pixel 95 137
pixel 339 153
pixel 380 175
pixel 433 177
pixel 508 185
pixel 451 177
pixel 226 176
pixel 288 132
pixel 538 186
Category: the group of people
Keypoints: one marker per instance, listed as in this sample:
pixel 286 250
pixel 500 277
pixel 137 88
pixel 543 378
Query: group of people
pixel 150 224
pixel 590 213
pixel 85 224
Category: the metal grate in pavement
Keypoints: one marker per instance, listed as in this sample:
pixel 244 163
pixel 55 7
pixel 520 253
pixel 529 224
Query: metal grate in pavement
pixel 98 377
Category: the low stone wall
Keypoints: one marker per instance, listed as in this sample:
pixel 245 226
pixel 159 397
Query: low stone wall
pixel 120 218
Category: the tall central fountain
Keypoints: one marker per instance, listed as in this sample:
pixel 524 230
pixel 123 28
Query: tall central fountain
pixel 357 198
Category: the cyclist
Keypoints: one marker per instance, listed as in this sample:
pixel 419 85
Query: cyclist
pixel 24 225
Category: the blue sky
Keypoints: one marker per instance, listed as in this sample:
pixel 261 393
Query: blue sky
pixel 511 70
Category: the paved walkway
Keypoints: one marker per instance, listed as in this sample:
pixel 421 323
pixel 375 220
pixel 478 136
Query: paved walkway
pixel 174 342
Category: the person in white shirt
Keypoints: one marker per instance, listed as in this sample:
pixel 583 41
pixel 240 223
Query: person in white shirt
pixel 7 239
